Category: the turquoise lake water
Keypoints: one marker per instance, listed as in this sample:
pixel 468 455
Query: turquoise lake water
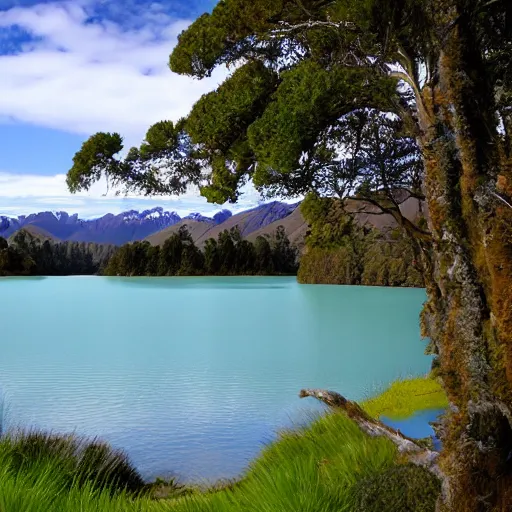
pixel 192 376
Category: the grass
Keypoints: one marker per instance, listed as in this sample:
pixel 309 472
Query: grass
pixel 329 466
pixel 404 397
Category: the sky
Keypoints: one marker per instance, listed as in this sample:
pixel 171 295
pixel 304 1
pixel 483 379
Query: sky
pixel 69 69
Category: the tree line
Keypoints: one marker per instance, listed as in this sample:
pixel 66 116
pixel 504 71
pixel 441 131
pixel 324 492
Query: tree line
pixel 25 254
pixel 230 254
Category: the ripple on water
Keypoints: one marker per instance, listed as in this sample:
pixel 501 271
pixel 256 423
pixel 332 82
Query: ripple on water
pixel 191 376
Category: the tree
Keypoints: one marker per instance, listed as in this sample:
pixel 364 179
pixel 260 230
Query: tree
pixel 152 258
pixel 211 257
pixel 263 256
pixel 227 250
pixel 170 256
pixel 245 258
pixel 442 70
pixel 284 256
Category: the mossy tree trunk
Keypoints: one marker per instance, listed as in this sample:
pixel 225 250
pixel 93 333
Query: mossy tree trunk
pixel 469 312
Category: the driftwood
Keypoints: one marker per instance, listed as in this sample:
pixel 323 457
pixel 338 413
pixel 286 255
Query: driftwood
pixel 414 452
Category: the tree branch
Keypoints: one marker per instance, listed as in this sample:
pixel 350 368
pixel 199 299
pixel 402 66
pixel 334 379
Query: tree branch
pixel 402 75
pixel 410 228
pixel 287 28
pixel 415 453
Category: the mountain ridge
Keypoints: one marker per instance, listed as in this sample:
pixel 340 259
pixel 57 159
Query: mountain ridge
pixel 118 229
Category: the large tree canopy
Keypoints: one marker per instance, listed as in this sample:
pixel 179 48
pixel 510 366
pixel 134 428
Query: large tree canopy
pixel 371 99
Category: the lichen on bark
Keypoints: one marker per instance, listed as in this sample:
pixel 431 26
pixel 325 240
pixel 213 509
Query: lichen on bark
pixel 469 312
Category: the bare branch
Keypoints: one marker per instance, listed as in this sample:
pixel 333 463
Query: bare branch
pixel 416 454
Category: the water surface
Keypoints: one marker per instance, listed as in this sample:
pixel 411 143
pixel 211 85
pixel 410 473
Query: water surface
pixel 191 376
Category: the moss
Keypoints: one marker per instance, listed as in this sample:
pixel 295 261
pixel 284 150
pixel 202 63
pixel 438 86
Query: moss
pixel 404 397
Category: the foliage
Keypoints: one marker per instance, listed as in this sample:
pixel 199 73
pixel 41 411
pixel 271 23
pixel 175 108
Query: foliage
pixel 228 255
pixel 402 487
pixel 80 462
pixel 281 117
pixel 28 255
pixel 95 157
pixel 339 251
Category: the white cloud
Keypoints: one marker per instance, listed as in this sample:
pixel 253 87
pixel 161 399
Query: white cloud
pixel 87 77
pixel 22 194
pixel 82 77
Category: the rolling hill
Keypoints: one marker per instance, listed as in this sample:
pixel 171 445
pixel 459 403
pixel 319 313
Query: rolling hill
pixel 267 218
pixel 197 229
pixel 294 225
pixel 247 222
pixel 38 233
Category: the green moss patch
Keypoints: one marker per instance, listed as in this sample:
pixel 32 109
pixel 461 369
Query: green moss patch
pixel 405 397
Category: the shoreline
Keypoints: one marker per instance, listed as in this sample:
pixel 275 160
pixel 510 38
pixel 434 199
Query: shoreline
pixel 326 462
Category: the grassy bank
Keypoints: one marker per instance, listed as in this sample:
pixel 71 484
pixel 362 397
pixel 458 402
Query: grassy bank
pixel 328 466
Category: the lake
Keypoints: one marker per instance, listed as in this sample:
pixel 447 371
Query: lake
pixel 192 376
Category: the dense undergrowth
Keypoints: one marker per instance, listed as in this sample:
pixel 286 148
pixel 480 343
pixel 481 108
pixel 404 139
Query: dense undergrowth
pixel 329 466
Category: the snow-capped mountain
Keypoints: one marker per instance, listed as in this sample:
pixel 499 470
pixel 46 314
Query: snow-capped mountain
pixel 109 229
pixel 198 217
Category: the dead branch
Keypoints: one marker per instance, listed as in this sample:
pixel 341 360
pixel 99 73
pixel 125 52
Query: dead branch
pixel 415 453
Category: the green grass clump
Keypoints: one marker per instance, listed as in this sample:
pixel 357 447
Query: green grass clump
pixel 79 462
pixel 312 469
pixel 405 397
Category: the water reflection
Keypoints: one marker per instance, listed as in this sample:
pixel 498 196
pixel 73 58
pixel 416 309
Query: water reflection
pixel 418 425
pixel 205 283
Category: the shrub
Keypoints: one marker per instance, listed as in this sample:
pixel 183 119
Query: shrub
pixel 400 488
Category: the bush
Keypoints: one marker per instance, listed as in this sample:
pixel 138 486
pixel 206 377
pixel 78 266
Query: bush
pixel 400 488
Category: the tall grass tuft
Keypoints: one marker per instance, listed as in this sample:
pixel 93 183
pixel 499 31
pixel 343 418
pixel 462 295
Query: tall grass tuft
pixel 79 461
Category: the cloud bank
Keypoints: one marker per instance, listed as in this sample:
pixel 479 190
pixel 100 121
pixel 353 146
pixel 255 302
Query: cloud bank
pixel 81 74
pixel 25 194
pixel 65 67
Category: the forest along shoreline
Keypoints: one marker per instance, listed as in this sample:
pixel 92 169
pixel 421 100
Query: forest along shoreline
pixel 337 249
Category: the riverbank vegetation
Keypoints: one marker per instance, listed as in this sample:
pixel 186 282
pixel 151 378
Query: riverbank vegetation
pixel 230 254
pixel 341 251
pixel 28 255
pixel 330 465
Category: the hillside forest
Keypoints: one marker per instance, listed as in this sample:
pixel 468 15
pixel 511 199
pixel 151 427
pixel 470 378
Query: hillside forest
pixel 25 254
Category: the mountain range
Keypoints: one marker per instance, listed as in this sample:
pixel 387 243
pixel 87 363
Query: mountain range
pixel 156 225
pixel 131 225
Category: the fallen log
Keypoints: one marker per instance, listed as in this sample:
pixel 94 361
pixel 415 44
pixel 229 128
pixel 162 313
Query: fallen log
pixel 410 448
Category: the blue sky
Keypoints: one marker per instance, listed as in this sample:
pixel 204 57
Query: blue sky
pixel 71 68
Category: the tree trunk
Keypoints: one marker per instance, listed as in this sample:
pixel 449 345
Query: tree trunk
pixel 469 311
